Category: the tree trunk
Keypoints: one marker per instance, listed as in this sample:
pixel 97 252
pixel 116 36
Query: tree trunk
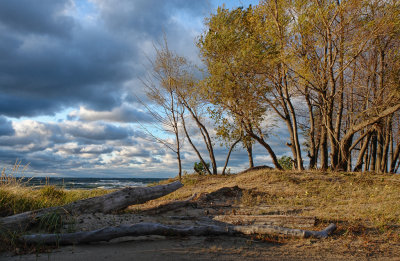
pixel 364 148
pixel 366 158
pixel 379 150
pixel 373 152
pixel 114 201
pixel 249 148
pixel 395 157
pixel 178 155
pixel 313 147
pixel 142 229
pixel 268 148
pixel 194 147
pixel 345 154
pixel 229 155
pixel 206 137
pixel 324 148
pixel 387 141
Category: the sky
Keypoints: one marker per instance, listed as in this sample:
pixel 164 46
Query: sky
pixel 70 73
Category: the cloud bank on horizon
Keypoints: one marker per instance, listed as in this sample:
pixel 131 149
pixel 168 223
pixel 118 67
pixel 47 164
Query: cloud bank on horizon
pixel 69 72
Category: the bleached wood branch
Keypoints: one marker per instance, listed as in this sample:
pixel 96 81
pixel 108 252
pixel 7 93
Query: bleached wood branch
pixel 170 206
pixel 275 220
pixel 105 204
pixel 142 229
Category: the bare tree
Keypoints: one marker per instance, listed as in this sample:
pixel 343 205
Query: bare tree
pixel 167 74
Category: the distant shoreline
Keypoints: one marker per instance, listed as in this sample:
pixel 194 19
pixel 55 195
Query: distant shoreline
pixel 87 183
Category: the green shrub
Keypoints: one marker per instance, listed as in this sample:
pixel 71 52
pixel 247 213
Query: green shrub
pixel 200 168
pixel 286 162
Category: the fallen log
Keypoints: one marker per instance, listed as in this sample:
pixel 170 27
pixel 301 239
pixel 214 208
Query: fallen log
pixel 143 229
pixel 272 220
pixel 276 230
pixel 267 210
pixel 170 206
pixel 114 201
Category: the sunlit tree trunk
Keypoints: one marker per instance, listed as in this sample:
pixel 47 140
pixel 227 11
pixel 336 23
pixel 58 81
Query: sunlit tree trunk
pixel 249 148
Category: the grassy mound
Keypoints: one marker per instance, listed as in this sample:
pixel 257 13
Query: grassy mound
pixel 16 197
pixel 360 203
pixel 364 206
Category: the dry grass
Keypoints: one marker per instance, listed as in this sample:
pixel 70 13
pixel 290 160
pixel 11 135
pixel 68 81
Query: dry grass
pixel 370 200
pixel 16 197
pixel 364 206
pixel 356 200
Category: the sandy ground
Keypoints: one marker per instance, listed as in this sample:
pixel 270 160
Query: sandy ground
pixel 198 248
pixel 205 248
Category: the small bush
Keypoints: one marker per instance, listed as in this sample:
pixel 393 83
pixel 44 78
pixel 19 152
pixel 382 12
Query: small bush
pixel 200 168
pixel 286 162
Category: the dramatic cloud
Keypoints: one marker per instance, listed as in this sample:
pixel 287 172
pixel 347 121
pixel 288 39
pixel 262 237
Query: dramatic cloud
pixel 52 59
pixel 124 113
pixel 72 146
pixel 82 61
pixel 6 128
pixel 27 16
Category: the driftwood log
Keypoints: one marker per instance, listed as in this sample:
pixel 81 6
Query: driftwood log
pixel 170 206
pixel 142 229
pixel 114 201
pixel 272 220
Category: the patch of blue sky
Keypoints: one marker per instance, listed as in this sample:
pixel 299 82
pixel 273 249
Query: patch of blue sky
pixel 233 4
pixel 194 25
pixel 84 10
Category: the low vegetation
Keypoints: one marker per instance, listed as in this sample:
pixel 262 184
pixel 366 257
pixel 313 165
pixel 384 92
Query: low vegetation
pixel 363 205
pixel 364 198
pixel 17 197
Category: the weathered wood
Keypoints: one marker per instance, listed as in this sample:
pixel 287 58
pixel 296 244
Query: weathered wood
pixel 268 210
pixel 170 206
pixel 274 220
pixel 105 204
pixel 142 229
pixel 274 230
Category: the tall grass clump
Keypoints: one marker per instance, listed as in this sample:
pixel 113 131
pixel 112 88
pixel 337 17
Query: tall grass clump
pixel 16 196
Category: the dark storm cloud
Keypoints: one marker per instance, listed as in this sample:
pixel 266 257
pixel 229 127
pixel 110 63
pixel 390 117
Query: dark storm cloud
pixel 150 17
pixel 123 113
pixel 97 131
pixel 6 128
pixel 16 106
pixel 50 59
pixel 54 59
pixel 43 75
pixel 26 16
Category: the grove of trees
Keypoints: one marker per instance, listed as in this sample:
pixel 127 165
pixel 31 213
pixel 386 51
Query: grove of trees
pixel 328 69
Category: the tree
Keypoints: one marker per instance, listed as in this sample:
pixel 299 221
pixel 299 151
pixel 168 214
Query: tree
pixel 333 39
pixel 340 58
pixel 192 101
pixel 232 55
pixel 168 73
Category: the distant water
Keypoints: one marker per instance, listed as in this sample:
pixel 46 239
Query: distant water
pixel 90 183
